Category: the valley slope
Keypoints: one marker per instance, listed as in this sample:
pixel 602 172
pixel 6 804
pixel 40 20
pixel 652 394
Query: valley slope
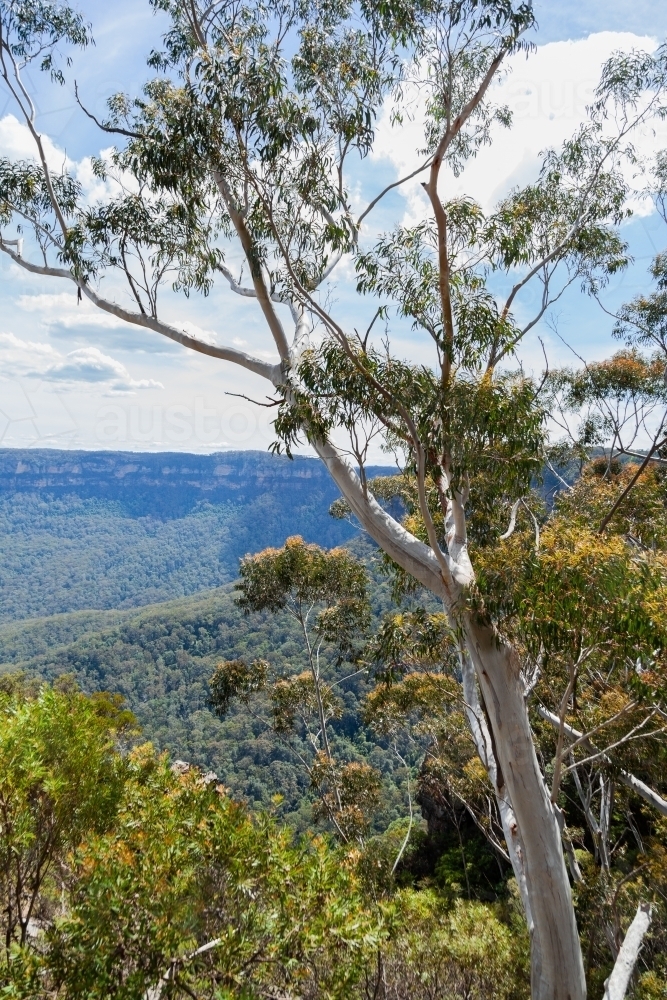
pixel 103 530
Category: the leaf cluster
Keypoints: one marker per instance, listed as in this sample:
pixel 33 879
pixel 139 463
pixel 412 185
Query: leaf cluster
pixel 484 425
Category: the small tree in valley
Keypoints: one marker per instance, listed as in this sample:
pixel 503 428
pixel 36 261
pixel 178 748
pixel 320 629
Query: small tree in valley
pixel 325 593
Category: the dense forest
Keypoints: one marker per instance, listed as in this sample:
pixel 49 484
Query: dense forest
pixel 411 859
pixel 118 530
pixel 160 658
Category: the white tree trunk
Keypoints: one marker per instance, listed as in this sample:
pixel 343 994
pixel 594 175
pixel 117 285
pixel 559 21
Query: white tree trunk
pixel 484 746
pixel 557 968
pixel 617 985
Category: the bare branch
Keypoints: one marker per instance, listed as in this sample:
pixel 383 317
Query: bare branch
pixel 617 985
pixel 114 130
pixel 407 835
pixel 263 368
pixel 512 524
pixel 627 779
pixel 389 187
pixel 263 295
pixel 634 734
pixel 235 285
pixel 639 454
pixel 413 555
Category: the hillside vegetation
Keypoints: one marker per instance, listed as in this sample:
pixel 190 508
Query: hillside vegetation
pixel 119 530
pixel 160 658
pixel 396 725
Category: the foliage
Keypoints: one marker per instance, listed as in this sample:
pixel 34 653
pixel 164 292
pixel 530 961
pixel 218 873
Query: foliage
pixel 244 137
pixel 486 426
pixel 163 875
pixel 185 866
pixel 59 778
pixel 235 679
pixel 326 594
pixel 111 530
pixel 161 659
pixel 171 886
pixel 435 951
pixel 303 577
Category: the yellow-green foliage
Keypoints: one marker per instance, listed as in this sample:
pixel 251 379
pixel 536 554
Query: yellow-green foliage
pixel 436 951
pixel 184 865
pixel 60 778
pixel 161 874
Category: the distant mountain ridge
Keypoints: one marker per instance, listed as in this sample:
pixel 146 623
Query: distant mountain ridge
pixel 162 484
pixel 101 530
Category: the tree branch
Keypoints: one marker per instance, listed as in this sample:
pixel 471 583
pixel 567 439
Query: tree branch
pixel 263 295
pixel 412 555
pixel 654 447
pixel 409 830
pixel 639 454
pixel 627 779
pixel 105 128
pixel 617 985
pixel 263 368
pixel 371 205
pixel 248 293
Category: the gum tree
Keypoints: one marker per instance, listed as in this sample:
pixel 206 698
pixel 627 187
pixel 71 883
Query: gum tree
pixel 245 137
pixel 325 595
pixel 621 402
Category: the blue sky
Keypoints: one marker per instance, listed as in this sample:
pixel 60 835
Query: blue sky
pixel 72 378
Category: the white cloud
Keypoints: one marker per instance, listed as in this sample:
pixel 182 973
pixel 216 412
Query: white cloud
pixel 17 143
pixel 62 309
pixel 547 93
pixel 86 366
pixel 47 303
pixel 13 350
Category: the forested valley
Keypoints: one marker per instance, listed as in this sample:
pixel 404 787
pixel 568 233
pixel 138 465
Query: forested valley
pixel 407 847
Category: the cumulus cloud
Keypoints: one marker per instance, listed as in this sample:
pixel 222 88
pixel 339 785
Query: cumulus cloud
pixel 62 309
pixel 547 93
pixel 86 366
pixel 17 143
pixel 15 353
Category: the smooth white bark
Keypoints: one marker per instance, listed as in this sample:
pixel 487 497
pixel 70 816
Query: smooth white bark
pixel 557 970
pixel 617 985
pixel 263 368
pixel 484 746
pixel 414 556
